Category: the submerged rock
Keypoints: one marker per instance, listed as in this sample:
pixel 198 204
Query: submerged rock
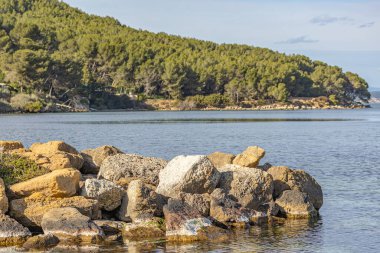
pixel 296 204
pixel 93 158
pixel 29 211
pixel 107 193
pixel 188 174
pixel 250 157
pixel 153 228
pixel 124 166
pixel 68 223
pixel 40 242
pixel 11 232
pixel 219 159
pixel 3 198
pixel 184 223
pixel 112 229
pixel 250 187
pixel 59 183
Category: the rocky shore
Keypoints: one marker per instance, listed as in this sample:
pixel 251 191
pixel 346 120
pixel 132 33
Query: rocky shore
pixel 52 195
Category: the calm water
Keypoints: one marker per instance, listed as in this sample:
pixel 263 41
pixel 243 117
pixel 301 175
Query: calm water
pixel 341 149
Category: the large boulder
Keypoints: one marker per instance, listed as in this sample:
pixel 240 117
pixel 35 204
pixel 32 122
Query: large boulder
pixel 131 167
pixel 93 158
pixel 59 183
pixel 188 174
pixel 140 203
pixel 228 212
pixel 280 175
pixel 303 182
pixel 250 157
pixel 29 211
pixel 296 204
pixel 219 159
pixel 6 146
pixel 201 202
pixel 250 187
pixel 61 155
pixel 52 147
pixel 11 232
pixel 3 198
pixel 68 223
pixel 287 179
pixel 185 223
pixel 107 193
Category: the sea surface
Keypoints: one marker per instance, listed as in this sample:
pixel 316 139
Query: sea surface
pixel 340 148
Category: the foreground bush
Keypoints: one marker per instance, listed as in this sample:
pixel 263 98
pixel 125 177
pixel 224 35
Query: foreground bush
pixel 15 169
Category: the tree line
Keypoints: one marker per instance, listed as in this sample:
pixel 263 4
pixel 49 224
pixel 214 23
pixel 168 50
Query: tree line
pixel 50 48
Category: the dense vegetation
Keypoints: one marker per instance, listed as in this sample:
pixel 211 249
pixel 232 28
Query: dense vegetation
pixel 15 169
pixel 55 51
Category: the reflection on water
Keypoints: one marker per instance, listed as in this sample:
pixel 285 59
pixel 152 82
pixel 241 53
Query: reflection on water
pixel 283 236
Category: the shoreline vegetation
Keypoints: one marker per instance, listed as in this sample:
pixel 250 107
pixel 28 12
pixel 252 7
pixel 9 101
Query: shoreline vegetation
pixel 320 103
pixel 54 57
pixel 51 194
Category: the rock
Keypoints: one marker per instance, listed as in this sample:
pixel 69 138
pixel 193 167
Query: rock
pixel 219 159
pixel 52 147
pixel 61 160
pixel 188 174
pixel 250 187
pixel 201 202
pixel 107 193
pixel 280 175
pixel 139 203
pixel 184 223
pixel 250 157
pixel 29 211
pixel 93 158
pixel 154 228
pixel 296 204
pixel 226 210
pixel 11 232
pixel 6 146
pixel 123 166
pixel 303 182
pixel 60 155
pixel 3 198
pixel 287 179
pixel 59 183
pixel 69 223
pixel 112 229
pixel 40 242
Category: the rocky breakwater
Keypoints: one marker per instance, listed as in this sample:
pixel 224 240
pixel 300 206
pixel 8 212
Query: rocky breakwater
pixel 66 197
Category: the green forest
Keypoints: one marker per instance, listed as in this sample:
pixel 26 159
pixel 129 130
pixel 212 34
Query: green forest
pixel 51 51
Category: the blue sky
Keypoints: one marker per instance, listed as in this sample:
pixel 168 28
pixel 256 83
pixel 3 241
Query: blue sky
pixel 341 32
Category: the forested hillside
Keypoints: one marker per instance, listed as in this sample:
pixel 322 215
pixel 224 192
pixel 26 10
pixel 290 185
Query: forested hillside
pixel 52 50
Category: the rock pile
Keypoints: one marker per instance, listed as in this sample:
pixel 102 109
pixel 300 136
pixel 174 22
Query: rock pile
pixel 103 194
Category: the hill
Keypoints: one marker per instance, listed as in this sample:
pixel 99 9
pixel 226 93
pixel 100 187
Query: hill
pixel 50 51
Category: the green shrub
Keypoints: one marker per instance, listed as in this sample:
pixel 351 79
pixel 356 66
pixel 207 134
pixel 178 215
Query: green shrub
pixel 26 103
pixel 15 169
pixel 213 100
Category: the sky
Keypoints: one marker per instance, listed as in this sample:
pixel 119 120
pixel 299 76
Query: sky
pixel 340 32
